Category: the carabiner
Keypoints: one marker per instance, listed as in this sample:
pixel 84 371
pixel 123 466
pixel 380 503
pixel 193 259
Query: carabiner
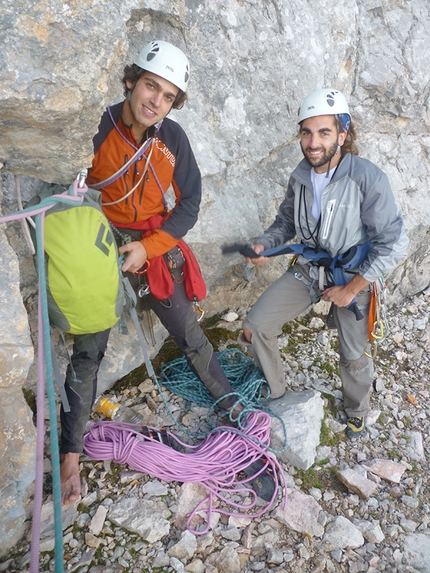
pixel 82 175
pixel 199 308
pixel 143 269
pixel 378 331
pixel 374 350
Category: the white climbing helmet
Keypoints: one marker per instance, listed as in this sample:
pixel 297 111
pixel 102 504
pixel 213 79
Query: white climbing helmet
pixel 323 102
pixel 167 61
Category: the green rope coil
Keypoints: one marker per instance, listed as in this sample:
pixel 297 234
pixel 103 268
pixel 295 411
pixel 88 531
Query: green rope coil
pixel 250 388
pixel 245 378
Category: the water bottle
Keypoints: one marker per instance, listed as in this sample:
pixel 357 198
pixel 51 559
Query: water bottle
pixel 119 412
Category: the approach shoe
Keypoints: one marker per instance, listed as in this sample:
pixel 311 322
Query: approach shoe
pixel 160 435
pixel 355 427
pixel 264 483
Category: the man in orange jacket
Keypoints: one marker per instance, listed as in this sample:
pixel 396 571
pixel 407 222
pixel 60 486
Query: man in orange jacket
pixel 140 156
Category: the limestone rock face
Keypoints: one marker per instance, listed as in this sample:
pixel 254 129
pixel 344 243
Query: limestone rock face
pixel 17 432
pixel 252 63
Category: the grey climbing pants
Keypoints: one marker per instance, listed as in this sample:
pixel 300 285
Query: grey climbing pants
pixel 289 297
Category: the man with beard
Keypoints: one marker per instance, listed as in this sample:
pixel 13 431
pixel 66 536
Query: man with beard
pixel 336 203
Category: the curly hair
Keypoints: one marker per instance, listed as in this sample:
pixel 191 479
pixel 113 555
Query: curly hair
pixel 134 72
pixel 349 145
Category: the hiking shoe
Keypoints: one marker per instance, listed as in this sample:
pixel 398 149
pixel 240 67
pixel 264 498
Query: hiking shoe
pixel 160 435
pixel 355 427
pixel 263 484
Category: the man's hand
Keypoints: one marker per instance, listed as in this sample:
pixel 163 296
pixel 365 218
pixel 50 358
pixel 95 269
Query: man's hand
pixel 135 256
pixel 343 295
pixel 338 295
pixel 258 260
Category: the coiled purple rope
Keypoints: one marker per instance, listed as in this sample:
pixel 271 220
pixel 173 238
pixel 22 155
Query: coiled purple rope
pixel 215 463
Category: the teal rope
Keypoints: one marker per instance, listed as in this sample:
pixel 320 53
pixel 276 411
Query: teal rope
pixel 242 373
pixel 55 457
pixel 249 387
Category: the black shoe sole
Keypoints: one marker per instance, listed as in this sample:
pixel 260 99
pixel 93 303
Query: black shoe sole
pixel 353 435
pixel 263 484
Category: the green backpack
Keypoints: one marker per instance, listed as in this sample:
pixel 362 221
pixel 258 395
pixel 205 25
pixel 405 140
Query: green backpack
pixel 85 290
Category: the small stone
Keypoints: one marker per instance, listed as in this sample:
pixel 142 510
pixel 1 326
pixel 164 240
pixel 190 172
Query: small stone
pixel 315 493
pixel 230 317
pixel 146 386
pixel 341 533
pixel 91 540
pixel 410 501
pixel 357 483
pixel 231 533
pixel 196 566
pixel 408 525
pixel 98 520
pixel 177 565
pixel 275 556
pixel 386 469
pixel 152 405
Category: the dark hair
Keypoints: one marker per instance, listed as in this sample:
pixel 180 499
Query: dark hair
pixel 134 72
pixel 349 145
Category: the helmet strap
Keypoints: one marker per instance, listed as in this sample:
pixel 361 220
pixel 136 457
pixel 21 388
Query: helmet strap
pixel 130 90
pixel 329 163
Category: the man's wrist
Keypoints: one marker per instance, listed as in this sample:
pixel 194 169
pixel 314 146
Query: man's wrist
pixel 356 284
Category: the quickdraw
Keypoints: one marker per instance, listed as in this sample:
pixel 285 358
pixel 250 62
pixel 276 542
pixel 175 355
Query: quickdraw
pixel 377 328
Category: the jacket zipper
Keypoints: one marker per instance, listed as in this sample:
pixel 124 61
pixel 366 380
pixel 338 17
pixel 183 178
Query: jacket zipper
pixel 329 216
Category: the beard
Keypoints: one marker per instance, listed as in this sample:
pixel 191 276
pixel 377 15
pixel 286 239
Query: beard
pixel 327 155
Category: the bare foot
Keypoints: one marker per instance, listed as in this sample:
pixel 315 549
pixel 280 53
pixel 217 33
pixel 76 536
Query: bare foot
pixel 70 478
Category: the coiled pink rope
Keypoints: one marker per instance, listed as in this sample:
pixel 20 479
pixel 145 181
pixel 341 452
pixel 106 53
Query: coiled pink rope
pixel 214 463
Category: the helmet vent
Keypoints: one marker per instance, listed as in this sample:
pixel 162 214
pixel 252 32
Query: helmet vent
pixel 331 98
pixel 153 52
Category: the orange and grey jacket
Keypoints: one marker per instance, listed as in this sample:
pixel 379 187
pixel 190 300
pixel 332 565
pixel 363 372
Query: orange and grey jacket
pixel 172 163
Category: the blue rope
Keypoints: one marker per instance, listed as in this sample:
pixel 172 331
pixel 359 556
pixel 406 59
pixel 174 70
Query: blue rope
pixel 55 458
pixel 250 388
pixel 245 378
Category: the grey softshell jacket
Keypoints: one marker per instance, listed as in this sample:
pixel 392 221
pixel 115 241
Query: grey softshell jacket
pixel 357 205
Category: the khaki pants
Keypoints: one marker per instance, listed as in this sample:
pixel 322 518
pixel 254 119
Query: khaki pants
pixel 287 298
